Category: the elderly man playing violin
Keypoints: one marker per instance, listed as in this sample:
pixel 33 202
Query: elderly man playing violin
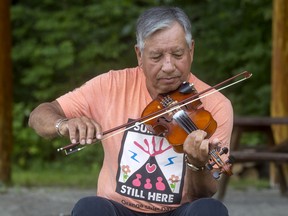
pixel 142 174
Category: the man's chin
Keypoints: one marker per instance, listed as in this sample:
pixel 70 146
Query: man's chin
pixel 169 88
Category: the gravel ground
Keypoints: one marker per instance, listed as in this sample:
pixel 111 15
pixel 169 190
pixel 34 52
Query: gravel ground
pixel 58 202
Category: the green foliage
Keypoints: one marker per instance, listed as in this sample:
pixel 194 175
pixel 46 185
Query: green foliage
pixel 54 45
pixel 231 37
pixel 58 45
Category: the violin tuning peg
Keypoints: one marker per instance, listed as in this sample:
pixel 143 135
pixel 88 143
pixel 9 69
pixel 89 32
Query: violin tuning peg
pixel 224 150
pixel 216 175
pixel 230 160
pixel 209 166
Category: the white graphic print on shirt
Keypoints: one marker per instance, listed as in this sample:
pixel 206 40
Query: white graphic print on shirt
pixel 149 168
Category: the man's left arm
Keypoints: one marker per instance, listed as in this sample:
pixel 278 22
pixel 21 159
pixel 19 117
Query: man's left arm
pixel 196 147
pixel 199 181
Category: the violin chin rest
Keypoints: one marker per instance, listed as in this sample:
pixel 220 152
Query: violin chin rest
pixel 186 88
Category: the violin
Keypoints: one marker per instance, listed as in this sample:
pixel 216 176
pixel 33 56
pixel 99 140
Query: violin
pixel 174 116
pixel 181 121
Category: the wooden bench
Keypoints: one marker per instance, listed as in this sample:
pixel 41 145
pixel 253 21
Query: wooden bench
pixel 277 154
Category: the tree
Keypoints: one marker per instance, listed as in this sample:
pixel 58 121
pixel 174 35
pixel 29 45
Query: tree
pixel 279 101
pixel 5 93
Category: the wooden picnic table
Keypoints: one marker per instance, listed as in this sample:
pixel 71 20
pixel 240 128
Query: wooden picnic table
pixel 272 151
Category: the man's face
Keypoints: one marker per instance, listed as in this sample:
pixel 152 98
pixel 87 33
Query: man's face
pixel 166 60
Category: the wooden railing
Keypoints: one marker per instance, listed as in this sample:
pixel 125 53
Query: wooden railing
pixel 271 152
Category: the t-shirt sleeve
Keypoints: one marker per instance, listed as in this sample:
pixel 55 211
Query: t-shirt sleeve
pixel 78 102
pixel 221 110
pixel 223 114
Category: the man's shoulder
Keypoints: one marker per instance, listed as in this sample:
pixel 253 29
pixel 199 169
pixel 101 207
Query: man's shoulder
pixel 132 71
pixel 201 86
pixel 118 76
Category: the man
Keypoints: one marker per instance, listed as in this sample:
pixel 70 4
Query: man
pixel 141 172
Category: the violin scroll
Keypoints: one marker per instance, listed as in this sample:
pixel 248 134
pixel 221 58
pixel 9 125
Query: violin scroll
pixel 216 161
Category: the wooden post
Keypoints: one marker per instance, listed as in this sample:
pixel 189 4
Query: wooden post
pixel 6 93
pixel 279 99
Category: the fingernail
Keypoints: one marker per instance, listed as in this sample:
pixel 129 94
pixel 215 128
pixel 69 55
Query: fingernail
pixel 82 141
pixel 73 141
pixel 89 141
pixel 99 136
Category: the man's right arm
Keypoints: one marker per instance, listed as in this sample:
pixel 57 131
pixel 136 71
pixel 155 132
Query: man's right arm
pixel 43 120
pixel 44 117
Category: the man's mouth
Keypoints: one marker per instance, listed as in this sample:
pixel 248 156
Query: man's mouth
pixel 169 78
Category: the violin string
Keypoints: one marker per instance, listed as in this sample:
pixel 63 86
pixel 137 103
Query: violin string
pixel 182 118
pixel 168 111
pixel 183 124
pixel 186 123
pixel 190 124
pixel 149 119
pixel 217 158
pixel 212 92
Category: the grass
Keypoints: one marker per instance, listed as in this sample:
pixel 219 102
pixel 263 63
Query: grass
pixel 86 177
pixel 77 170
pixel 79 177
pixel 245 183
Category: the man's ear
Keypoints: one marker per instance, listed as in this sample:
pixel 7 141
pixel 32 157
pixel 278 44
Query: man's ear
pixel 192 49
pixel 139 55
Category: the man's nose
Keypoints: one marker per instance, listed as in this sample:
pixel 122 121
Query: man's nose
pixel 168 65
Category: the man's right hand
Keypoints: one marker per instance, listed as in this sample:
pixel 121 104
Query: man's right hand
pixel 81 130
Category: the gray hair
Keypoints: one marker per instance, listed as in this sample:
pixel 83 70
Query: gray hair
pixel 158 18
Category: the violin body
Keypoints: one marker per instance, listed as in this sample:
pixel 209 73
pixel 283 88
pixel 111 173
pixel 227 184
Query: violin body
pixel 176 124
pixel 181 119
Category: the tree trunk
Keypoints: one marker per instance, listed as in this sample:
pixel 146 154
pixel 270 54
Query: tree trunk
pixel 6 93
pixel 279 98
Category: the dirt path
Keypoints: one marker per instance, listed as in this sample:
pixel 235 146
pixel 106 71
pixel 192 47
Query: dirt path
pixel 59 202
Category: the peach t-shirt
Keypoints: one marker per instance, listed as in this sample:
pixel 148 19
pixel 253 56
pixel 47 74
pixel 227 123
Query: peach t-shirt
pixel 140 170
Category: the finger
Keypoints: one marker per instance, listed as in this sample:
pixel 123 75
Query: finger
pixel 199 136
pixel 204 146
pixel 188 143
pixel 204 150
pixel 90 132
pixel 195 139
pixel 99 132
pixel 73 131
pixel 197 147
pixel 82 130
pixel 215 141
